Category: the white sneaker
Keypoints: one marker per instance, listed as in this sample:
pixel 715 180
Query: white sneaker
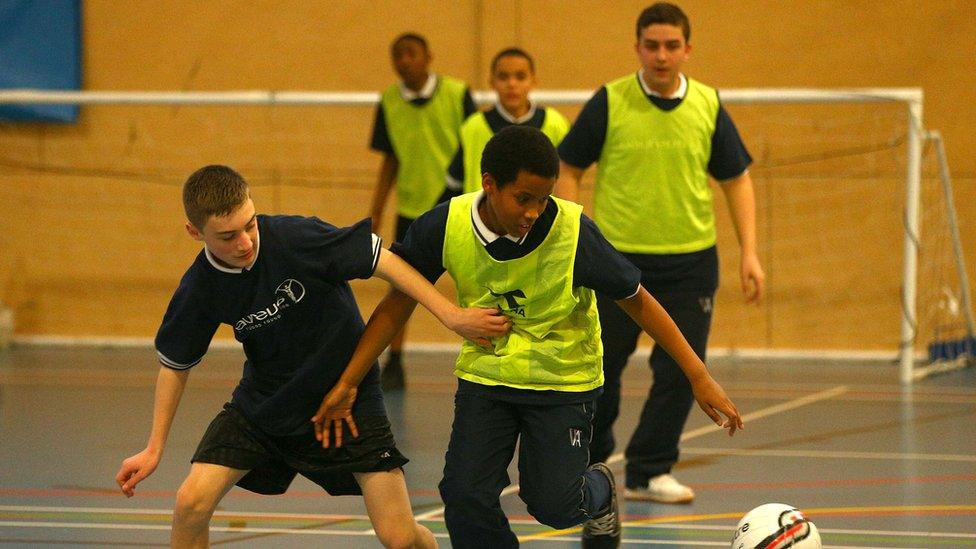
pixel 662 489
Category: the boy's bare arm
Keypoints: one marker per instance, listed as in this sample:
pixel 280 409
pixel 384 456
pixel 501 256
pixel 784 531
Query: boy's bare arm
pixel 169 390
pixel 740 196
pixel 567 186
pixel 474 324
pixel 384 183
pixel 653 319
pixel 386 321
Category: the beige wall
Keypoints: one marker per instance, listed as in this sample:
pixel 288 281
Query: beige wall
pixel 92 241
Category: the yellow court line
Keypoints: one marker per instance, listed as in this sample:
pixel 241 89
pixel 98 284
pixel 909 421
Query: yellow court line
pixel 887 508
pixel 813 512
pixel 709 428
pixel 737 515
pixel 671 518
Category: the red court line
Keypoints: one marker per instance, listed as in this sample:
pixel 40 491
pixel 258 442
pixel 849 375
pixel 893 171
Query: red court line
pixel 169 494
pixel 915 513
pixel 855 513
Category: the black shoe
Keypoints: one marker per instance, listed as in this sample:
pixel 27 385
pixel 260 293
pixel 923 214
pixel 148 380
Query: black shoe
pixel 603 531
pixel 391 375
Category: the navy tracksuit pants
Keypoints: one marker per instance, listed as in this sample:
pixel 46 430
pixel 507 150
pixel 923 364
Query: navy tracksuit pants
pixel 553 445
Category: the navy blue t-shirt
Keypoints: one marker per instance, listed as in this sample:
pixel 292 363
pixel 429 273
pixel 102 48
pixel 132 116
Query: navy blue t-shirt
pixel 293 311
pixel 597 266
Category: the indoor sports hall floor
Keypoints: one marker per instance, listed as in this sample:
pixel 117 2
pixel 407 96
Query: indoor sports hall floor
pixel 871 464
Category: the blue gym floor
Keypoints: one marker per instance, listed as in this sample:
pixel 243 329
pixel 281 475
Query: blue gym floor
pixel 870 463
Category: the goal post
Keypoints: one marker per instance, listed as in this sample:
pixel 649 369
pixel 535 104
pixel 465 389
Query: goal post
pixel 910 100
pixel 948 327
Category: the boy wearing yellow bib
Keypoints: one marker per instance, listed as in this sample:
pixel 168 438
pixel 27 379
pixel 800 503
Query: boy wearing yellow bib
pixel 659 138
pixel 416 130
pixel 538 259
pixel 512 78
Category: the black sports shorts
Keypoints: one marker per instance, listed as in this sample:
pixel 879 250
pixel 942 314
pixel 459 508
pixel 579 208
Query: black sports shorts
pixel 272 462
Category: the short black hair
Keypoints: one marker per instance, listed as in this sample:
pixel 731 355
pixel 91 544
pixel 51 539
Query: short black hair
pixel 411 36
pixel 512 52
pixel 667 14
pixel 519 148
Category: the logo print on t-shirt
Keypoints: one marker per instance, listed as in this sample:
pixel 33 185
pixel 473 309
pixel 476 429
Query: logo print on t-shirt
pixel 291 288
pixel 513 305
pixel 287 294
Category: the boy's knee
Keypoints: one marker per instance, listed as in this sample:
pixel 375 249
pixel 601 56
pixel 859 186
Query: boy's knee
pixel 193 503
pixel 556 513
pixel 460 498
pixel 558 519
pixel 451 491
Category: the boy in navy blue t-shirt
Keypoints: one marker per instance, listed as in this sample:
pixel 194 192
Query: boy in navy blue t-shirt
pixel 281 283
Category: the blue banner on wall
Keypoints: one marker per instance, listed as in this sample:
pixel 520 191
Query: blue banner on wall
pixel 40 47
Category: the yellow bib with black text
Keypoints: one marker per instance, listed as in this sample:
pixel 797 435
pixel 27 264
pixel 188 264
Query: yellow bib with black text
pixel 555 342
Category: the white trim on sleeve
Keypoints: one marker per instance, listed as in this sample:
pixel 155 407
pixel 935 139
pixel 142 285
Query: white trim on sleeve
pixel 377 248
pixel 173 365
pixel 636 291
pixel 452 183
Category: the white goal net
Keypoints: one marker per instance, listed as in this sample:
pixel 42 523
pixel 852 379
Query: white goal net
pixel 839 180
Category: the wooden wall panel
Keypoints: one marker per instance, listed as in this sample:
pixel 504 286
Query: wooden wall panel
pixel 92 241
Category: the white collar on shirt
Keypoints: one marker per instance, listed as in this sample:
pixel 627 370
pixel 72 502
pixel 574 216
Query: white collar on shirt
pixel 425 92
pixel 217 265
pixel 511 119
pixel 680 93
pixel 484 234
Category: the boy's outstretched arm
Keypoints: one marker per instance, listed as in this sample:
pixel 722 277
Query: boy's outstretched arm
pixel 384 182
pixel 653 319
pixel 386 321
pixel 474 324
pixel 169 390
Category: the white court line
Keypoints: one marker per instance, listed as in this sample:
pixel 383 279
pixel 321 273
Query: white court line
pixel 796 403
pixel 830 454
pixel 252 529
pixel 143 511
pixel 688 542
pixel 354 533
pixel 906 533
pixel 784 407
pixel 88 526
pixel 227 529
pixel 635 526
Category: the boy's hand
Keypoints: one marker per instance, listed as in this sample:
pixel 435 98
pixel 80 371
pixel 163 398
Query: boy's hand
pixel 753 278
pixel 336 408
pixel 712 399
pixel 134 469
pixel 479 324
